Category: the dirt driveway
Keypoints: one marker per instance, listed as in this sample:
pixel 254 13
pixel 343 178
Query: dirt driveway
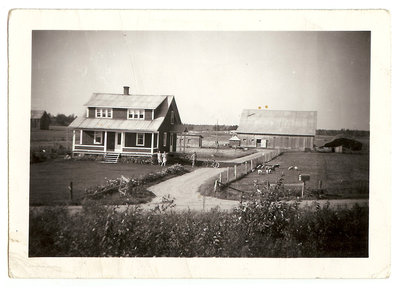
pixel 184 189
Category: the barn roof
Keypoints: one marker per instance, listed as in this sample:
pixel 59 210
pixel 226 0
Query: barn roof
pixel 278 122
pixel 37 114
pixel 126 101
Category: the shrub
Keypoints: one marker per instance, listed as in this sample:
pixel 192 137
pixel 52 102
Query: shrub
pixel 263 227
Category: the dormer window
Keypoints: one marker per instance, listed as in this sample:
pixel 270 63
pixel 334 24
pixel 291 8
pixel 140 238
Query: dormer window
pixel 104 112
pixel 136 114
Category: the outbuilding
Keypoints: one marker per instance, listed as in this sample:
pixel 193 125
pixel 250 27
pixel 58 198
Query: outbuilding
pixel 40 119
pixel 234 141
pixel 292 130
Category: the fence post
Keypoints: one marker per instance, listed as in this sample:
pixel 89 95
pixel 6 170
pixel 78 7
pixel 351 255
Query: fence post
pixel 71 193
pixel 227 175
pixel 251 164
pixel 245 167
pixel 220 177
pixel 320 184
pixel 235 171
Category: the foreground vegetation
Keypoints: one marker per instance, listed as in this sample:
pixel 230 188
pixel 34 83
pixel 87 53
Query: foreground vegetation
pixel 264 227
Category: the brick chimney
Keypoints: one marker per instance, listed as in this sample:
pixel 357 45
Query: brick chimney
pixel 126 90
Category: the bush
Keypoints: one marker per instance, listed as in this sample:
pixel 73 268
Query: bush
pixel 263 227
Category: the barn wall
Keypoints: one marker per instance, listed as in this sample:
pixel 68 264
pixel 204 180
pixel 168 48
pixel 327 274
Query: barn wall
pixel 278 141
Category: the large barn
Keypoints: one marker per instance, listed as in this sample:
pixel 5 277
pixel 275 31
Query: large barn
pixel 294 130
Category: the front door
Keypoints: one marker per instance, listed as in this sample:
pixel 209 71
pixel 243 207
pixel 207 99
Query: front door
pixel 118 145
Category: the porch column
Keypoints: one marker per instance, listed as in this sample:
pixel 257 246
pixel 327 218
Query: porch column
pixel 152 143
pixel 105 141
pixel 80 138
pixel 122 141
pixel 73 140
pixel 158 141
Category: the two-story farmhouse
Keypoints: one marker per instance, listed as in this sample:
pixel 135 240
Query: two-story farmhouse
pixel 293 130
pixel 127 124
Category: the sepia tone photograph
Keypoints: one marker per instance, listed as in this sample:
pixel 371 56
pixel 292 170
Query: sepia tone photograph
pixel 170 146
pixel 199 144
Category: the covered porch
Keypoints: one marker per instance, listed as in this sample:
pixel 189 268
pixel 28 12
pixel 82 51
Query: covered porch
pixel 140 143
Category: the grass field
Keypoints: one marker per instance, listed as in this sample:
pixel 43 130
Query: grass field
pixel 49 180
pixel 345 174
pixel 52 138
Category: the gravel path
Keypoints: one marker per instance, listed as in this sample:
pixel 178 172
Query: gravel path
pixel 184 189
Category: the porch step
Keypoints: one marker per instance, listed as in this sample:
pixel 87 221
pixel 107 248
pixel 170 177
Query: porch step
pixel 111 158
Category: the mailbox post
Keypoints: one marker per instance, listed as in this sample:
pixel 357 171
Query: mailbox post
pixel 303 178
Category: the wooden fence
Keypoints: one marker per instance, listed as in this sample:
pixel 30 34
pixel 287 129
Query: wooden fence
pixel 231 174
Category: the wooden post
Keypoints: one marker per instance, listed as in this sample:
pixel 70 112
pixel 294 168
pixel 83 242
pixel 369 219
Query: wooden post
pixel 105 141
pixel 245 167
pixel 303 188
pixel 152 144
pixel 71 193
pixel 73 141
pixel 320 184
pixel 227 175
pixel 235 171
pixel 251 164
pixel 204 202
pixel 220 177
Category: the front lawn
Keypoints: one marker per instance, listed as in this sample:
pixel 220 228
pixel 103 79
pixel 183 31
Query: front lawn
pixel 49 180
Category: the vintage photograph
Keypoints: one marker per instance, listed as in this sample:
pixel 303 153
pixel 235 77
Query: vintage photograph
pixel 200 144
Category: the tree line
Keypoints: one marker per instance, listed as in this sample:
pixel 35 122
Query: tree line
pixel 61 119
pixel 346 132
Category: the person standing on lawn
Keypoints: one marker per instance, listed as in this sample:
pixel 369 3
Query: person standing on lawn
pixel 164 159
pixel 159 159
pixel 194 158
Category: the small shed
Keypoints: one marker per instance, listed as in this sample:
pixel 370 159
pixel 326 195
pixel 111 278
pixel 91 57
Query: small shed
pixel 40 119
pixel 234 141
pixel 190 140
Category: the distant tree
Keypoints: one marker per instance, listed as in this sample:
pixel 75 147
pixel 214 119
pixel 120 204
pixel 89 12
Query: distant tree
pixel 62 119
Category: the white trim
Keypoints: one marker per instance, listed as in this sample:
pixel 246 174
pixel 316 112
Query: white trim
pixel 80 138
pixel 87 112
pixel 152 114
pixel 97 109
pixel 137 147
pixel 158 140
pixel 94 137
pixel 105 140
pixel 137 138
pixel 73 140
pixel 89 145
pixel 135 112
pixel 122 140
pixel 152 143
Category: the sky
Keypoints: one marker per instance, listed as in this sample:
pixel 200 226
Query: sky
pixel 213 75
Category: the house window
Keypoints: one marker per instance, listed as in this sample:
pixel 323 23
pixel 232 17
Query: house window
pixel 172 117
pixel 136 114
pixel 98 137
pixel 165 139
pixel 140 139
pixel 103 112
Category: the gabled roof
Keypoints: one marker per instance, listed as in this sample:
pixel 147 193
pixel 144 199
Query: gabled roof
pixel 234 138
pixel 278 122
pixel 125 101
pixel 141 102
pixel 37 114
